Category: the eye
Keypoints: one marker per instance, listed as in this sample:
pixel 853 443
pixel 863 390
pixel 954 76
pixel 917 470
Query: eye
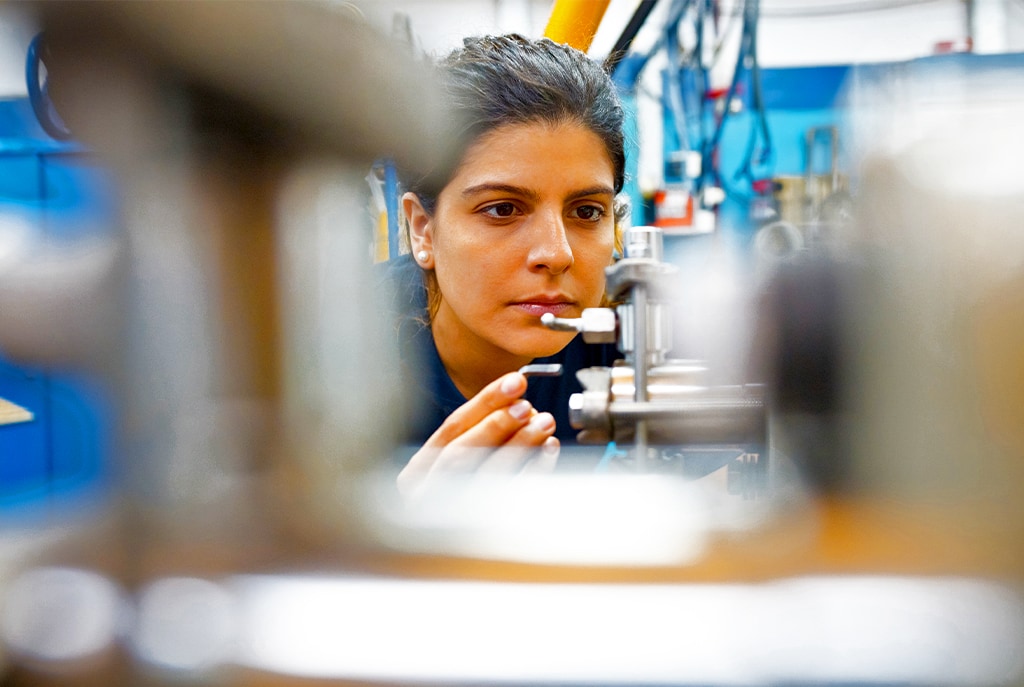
pixel 500 210
pixel 588 213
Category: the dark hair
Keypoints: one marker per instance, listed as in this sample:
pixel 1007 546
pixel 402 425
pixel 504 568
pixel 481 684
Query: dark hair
pixel 497 80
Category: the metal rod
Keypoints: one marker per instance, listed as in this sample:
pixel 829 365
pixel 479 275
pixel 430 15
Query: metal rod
pixel 627 410
pixel 639 296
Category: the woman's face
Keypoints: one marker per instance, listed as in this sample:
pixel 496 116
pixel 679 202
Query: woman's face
pixel 525 227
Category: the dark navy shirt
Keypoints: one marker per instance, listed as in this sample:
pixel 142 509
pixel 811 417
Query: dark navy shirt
pixel 430 392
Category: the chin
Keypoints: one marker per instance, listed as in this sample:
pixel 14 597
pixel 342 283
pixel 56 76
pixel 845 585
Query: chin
pixel 542 344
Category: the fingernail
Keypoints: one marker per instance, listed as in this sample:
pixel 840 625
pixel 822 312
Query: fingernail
pixel 520 410
pixel 550 446
pixel 511 385
pixel 542 421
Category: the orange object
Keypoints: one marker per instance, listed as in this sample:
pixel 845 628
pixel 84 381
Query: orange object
pixel 575 22
pixel 673 209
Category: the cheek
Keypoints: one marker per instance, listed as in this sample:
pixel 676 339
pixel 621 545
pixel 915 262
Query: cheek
pixel 592 261
pixel 461 259
pixel 467 249
pixel 465 267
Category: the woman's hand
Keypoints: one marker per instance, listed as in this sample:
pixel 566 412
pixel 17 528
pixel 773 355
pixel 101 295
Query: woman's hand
pixel 496 431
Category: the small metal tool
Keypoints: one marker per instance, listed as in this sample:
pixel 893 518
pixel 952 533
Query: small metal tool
pixel 539 370
pixel 598 325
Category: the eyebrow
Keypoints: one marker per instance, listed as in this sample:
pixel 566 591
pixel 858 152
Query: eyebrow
pixel 531 194
pixel 501 188
pixel 592 191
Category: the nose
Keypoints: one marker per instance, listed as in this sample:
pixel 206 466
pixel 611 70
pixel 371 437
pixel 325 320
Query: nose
pixel 549 248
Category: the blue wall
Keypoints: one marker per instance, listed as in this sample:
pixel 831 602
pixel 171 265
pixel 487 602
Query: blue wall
pixel 58 191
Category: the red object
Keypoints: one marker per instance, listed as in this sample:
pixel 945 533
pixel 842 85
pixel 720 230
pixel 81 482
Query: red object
pixel 950 47
pixel 673 208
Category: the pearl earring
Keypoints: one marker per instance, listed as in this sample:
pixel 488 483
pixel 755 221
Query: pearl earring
pixel 422 256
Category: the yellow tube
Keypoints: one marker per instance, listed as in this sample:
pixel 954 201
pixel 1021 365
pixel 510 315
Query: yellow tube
pixel 575 22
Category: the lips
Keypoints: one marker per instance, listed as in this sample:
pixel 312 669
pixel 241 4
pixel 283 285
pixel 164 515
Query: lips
pixel 536 306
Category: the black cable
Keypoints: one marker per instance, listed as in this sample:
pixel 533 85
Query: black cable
pixel 698 48
pixel 701 69
pixel 625 39
pixel 673 93
pixel 711 147
pixel 675 12
pixel 757 106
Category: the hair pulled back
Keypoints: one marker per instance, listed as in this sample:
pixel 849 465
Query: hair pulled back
pixel 493 81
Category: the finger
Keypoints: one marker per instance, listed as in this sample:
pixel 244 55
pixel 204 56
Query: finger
pixel 499 427
pixel 499 394
pixel 412 475
pixel 532 449
pixel 545 460
pixel 535 432
pixel 503 429
pixel 521 447
pixel 427 464
pixel 468 450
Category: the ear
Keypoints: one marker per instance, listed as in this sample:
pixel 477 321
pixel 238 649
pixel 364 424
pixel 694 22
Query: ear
pixel 421 229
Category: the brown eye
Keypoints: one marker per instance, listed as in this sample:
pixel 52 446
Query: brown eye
pixel 500 210
pixel 589 213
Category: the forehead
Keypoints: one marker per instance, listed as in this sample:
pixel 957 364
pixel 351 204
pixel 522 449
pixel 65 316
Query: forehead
pixel 537 152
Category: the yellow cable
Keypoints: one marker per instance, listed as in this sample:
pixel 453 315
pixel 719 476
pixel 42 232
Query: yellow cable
pixel 575 22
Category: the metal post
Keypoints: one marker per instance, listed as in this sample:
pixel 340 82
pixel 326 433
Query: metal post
pixel 639 295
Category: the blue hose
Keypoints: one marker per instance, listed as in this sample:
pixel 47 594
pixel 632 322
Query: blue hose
pixel 38 95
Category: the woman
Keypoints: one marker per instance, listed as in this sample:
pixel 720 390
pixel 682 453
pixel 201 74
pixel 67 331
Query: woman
pixel 523 224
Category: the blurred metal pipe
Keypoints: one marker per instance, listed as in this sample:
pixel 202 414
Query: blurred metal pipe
pixel 261 81
pixel 306 69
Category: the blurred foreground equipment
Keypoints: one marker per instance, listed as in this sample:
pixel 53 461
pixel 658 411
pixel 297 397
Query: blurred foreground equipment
pixel 230 309
pixel 248 542
pixel 213 117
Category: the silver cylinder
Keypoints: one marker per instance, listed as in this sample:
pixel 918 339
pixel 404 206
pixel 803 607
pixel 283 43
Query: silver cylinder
pixel 644 242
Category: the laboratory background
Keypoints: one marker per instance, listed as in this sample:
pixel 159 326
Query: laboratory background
pixel 808 467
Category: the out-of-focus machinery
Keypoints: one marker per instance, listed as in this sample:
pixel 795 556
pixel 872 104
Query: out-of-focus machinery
pixel 236 553
pixel 661 405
